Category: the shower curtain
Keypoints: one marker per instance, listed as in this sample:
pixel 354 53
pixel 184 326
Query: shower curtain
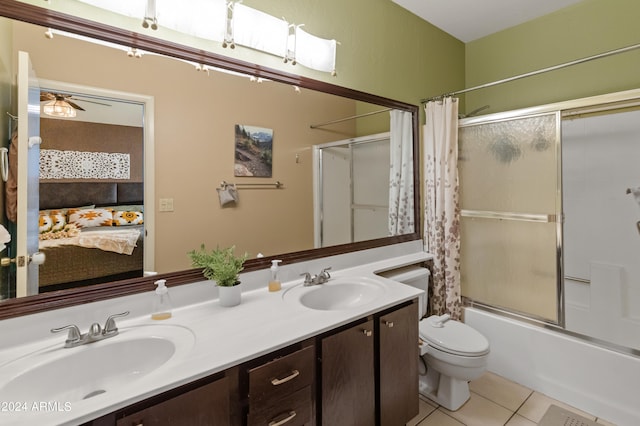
pixel 442 208
pixel 401 220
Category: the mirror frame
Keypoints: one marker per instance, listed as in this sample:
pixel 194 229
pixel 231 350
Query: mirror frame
pixel 17 10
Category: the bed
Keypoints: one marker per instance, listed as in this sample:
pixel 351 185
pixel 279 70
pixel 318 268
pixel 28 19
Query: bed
pixel 86 253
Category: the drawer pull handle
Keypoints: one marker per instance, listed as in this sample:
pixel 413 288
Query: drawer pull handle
pixel 367 333
pixel 290 417
pixel 388 323
pixel 293 375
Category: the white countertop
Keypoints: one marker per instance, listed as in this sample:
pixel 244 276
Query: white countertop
pixel 224 337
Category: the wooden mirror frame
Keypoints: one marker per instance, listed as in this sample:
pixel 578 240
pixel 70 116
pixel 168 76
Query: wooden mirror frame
pixel 14 9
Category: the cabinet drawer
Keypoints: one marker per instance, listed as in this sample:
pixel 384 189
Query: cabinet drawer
pixel 293 410
pixel 282 376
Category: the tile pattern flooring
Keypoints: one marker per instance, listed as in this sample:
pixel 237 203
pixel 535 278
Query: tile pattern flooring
pixel 494 401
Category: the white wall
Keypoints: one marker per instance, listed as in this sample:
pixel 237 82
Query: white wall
pixel 600 159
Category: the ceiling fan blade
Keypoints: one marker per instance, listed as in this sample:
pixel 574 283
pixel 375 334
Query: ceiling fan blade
pixel 91 102
pixel 46 96
pixel 74 105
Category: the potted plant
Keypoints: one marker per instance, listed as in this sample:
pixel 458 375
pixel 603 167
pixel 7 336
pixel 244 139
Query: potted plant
pixel 223 267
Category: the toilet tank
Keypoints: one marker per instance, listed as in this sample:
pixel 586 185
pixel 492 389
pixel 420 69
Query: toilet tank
pixel 415 276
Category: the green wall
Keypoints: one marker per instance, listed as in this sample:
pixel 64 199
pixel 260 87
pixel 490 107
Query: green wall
pixel 384 49
pixel 585 29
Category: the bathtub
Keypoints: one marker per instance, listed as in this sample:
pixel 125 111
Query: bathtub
pixel 599 381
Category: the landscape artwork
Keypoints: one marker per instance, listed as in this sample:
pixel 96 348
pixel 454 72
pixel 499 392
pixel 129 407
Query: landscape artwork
pixel 254 149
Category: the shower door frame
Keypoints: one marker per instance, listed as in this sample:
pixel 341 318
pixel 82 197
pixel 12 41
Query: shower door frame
pixel 529 217
pixel 604 102
pixel 318 210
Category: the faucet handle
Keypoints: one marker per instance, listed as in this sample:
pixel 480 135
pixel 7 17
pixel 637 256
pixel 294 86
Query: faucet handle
pixel 74 335
pixel 95 329
pixel 324 275
pixel 110 324
pixel 307 277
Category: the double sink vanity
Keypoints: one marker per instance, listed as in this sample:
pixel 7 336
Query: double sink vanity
pixel 342 352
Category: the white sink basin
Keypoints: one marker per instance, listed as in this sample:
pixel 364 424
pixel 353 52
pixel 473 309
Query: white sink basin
pixel 336 294
pixel 56 373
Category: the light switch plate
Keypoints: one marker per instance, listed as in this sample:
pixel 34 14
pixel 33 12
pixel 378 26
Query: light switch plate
pixel 166 204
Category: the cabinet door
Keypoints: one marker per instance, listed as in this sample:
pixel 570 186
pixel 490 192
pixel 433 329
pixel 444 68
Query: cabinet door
pixel 348 377
pixel 207 405
pixel 399 365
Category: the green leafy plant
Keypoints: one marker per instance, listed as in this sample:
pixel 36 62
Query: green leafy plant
pixel 219 265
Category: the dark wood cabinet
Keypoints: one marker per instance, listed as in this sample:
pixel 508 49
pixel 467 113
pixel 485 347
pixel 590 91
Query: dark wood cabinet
pixel 281 390
pixel 348 380
pixel 370 371
pixel 207 405
pixel 398 362
pixel 367 375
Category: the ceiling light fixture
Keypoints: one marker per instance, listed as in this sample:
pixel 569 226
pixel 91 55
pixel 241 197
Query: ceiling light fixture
pixel 59 108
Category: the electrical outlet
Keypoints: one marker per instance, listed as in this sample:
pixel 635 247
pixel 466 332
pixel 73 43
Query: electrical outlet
pixel 166 204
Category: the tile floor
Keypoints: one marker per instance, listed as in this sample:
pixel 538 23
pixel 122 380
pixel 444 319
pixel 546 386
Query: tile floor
pixel 494 401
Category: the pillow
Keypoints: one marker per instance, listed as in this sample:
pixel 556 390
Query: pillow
pixel 66 210
pixel 45 223
pixel 127 208
pixel 89 218
pixel 59 220
pixel 127 218
pixel 51 220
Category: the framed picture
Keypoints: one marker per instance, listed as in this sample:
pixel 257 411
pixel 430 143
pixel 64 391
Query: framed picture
pixel 254 151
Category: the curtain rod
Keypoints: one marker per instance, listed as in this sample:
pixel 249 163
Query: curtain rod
pixel 540 71
pixel 315 126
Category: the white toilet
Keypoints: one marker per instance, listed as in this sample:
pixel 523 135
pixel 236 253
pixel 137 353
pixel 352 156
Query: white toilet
pixel 453 352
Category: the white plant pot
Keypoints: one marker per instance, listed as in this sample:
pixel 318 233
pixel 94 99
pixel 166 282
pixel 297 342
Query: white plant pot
pixel 230 296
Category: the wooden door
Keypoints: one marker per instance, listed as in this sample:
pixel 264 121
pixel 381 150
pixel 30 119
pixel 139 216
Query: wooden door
pixel 348 377
pixel 28 178
pixel 207 405
pixel 399 354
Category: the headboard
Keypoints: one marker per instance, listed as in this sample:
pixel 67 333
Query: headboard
pixel 56 195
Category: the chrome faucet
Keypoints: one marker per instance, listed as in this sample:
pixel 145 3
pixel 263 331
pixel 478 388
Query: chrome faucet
pixel 321 278
pixel 95 333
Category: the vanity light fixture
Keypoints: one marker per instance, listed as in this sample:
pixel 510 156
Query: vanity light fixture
pixel 59 108
pixel 231 23
pixel 150 19
pixel 134 53
pixel 150 23
pixel 201 67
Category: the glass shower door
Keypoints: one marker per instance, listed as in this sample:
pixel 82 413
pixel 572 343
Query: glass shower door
pixel 510 201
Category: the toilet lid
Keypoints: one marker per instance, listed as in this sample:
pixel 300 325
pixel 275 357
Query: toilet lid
pixel 454 337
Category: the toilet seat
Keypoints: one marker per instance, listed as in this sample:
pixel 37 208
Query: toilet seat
pixel 453 337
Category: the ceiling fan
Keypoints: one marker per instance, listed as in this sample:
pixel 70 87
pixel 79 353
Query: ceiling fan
pixel 63 105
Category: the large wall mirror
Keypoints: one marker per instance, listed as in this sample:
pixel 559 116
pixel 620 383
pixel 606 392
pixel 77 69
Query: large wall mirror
pixel 189 149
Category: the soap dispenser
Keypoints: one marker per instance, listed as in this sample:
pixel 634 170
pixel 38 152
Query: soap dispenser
pixel 274 282
pixel 162 302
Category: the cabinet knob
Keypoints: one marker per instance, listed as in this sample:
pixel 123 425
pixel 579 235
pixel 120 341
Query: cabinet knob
pixel 388 323
pixel 293 375
pixel 367 333
pixel 287 419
